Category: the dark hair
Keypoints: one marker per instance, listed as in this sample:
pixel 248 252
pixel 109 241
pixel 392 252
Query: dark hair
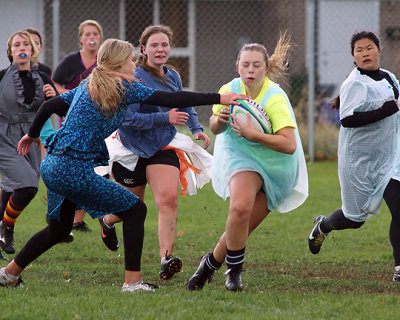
pixel 141 60
pixel 35 31
pixel 364 35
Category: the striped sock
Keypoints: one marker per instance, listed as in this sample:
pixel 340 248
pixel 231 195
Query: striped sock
pixel 211 263
pixel 12 212
pixel 235 258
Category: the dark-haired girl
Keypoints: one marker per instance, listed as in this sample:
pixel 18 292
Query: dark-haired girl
pixel 368 155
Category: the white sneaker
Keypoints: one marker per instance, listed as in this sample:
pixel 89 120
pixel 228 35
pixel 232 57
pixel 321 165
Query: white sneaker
pixel 7 280
pixel 138 286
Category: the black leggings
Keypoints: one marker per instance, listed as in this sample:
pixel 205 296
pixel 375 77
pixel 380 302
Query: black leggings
pixel 132 226
pixel 337 221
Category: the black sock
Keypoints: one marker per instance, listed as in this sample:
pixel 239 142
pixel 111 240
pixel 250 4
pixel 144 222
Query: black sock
pixel 337 221
pixel 211 263
pixel 234 258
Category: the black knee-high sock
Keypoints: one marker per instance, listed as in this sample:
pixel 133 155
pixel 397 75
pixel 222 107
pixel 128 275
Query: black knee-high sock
pixel 337 221
pixel 47 237
pixel 391 196
pixel 133 230
pixel 5 197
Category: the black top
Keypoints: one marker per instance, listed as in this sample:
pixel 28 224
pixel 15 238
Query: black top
pixel 389 108
pixel 45 69
pixel 27 83
pixel 69 68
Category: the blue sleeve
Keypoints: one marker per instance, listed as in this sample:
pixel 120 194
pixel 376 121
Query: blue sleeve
pixel 142 121
pixel 69 96
pixel 136 92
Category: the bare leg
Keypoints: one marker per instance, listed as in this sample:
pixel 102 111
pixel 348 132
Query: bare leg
pixel 258 214
pixel 164 183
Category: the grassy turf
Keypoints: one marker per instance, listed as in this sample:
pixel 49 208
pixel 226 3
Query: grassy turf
pixel 349 279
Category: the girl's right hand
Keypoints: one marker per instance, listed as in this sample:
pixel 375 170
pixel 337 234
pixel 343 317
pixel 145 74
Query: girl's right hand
pixel 25 143
pixel 224 115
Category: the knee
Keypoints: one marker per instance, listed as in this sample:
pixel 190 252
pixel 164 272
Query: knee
pixel 240 210
pixel 140 210
pixel 167 200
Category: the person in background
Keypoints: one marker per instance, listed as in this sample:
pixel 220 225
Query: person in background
pixel 76 67
pixel 259 171
pixel 148 134
pixel 23 88
pixel 94 110
pixel 48 128
pixel 368 152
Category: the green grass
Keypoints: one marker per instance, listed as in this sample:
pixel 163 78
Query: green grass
pixel 349 279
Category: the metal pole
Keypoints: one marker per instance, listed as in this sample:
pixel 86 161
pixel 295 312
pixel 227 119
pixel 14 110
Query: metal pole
pixel 56 32
pixel 310 54
pixel 192 44
pixel 122 20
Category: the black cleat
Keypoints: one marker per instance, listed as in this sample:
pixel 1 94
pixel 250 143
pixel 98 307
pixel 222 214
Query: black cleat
pixel 396 275
pixel 202 275
pixel 7 237
pixel 81 226
pixel 234 279
pixel 108 235
pixel 169 267
pixel 316 236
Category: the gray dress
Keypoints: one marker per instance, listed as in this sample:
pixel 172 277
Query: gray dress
pixel 368 156
pixel 15 118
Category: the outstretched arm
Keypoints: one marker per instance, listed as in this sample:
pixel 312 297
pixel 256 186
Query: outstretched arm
pixel 181 99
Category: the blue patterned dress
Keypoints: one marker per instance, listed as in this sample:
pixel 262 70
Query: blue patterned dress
pixel 78 147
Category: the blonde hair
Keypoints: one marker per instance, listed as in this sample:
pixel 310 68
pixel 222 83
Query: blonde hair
pixel 278 63
pixel 86 23
pixel 105 82
pixel 24 35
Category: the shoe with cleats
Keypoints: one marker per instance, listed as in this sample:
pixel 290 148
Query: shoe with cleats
pixel 7 280
pixel 108 235
pixel 81 226
pixel 139 286
pixel 396 275
pixel 7 237
pixel 170 265
pixel 234 279
pixel 202 275
pixel 316 237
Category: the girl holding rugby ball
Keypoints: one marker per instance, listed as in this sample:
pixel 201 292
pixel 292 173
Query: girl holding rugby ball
pixel 260 172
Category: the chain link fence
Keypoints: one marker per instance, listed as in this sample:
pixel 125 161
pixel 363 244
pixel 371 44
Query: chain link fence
pixel 209 33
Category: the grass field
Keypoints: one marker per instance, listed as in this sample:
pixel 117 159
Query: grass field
pixel 349 279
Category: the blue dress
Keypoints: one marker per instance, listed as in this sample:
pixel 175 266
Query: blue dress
pixel 78 147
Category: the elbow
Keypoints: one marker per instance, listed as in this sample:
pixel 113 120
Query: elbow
pixel 291 148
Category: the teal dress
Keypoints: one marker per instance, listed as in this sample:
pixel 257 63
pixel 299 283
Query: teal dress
pixel 284 175
pixel 78 147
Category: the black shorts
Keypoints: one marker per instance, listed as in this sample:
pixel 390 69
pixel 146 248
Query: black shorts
pixel 138 177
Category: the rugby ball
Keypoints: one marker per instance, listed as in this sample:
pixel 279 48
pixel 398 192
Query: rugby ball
pixel 259 118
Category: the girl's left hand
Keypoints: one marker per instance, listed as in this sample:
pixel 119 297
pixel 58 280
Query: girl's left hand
pixel 49 91
pixel 204 137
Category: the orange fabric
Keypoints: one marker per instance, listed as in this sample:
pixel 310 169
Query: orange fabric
pixel 184 166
